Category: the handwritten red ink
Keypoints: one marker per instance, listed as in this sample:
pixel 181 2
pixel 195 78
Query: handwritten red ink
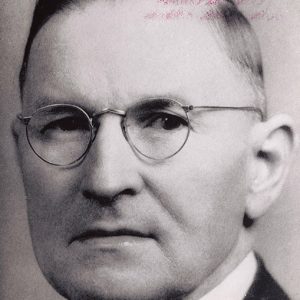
pixel 177 10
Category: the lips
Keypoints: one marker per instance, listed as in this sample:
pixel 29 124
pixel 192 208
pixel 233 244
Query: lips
pixel 102 233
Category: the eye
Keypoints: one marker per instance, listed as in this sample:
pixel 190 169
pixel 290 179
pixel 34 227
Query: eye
pixel 166 121
pixel 67 124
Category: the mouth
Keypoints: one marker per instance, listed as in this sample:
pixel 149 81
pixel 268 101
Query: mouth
pixel 112 235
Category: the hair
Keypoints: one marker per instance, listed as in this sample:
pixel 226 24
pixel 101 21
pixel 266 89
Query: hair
pixel 241 42
pixel 242 47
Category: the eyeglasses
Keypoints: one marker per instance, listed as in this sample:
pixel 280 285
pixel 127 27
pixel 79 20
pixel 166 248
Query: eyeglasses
pixel 62 134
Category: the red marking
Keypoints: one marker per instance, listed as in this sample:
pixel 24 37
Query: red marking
pixel 210 14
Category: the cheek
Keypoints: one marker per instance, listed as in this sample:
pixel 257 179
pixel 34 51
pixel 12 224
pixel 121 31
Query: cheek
pixel 50 192
pixel 202 183
pixel 204 199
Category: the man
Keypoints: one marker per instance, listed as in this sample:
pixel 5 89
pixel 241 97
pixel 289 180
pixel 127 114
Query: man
pixel 145 150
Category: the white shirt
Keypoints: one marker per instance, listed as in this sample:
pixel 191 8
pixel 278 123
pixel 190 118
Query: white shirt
pixel 236 285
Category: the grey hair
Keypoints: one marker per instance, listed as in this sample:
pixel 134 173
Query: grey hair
pixel 242 47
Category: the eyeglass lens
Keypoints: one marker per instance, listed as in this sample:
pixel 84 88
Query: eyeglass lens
pixel 62 134
pixel 59 134
pixel 157 129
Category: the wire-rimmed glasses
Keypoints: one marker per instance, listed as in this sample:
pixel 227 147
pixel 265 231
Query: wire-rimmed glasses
pixel 62 134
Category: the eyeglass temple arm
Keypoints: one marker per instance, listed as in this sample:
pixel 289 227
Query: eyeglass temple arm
pixel 24 120
pixel 257 110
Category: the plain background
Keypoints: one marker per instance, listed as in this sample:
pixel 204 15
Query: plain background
pixel 277 23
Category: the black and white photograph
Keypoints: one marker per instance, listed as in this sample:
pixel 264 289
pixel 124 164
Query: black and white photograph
pixel 149 150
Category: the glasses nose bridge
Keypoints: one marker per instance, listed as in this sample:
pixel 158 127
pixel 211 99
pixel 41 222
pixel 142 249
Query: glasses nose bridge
pixel 107 110
pixel 112 111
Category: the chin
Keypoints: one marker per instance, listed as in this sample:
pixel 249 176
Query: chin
pixel 102 285
pixel 113 291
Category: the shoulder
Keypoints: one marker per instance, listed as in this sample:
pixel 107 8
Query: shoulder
pixel 264 286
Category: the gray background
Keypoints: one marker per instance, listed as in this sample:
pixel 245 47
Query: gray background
pixel 277 23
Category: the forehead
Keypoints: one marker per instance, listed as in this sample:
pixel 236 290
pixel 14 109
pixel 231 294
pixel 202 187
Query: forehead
pixel 113 51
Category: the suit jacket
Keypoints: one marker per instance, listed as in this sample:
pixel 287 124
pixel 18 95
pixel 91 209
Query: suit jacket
pixel 264 287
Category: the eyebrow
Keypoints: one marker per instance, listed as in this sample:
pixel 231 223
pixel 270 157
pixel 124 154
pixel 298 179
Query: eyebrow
pixel 155 103
pixel 166 96
pixel 45 101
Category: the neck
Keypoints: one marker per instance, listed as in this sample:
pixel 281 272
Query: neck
pixel 242 247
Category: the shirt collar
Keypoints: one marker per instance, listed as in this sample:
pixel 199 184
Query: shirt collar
pixel 236 285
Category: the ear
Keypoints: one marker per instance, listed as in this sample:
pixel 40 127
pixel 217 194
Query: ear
pixel 273 143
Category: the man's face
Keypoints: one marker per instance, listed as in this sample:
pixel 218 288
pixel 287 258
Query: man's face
pixel 169 224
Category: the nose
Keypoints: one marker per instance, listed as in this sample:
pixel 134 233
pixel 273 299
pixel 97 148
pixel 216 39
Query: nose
pixel 111 168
